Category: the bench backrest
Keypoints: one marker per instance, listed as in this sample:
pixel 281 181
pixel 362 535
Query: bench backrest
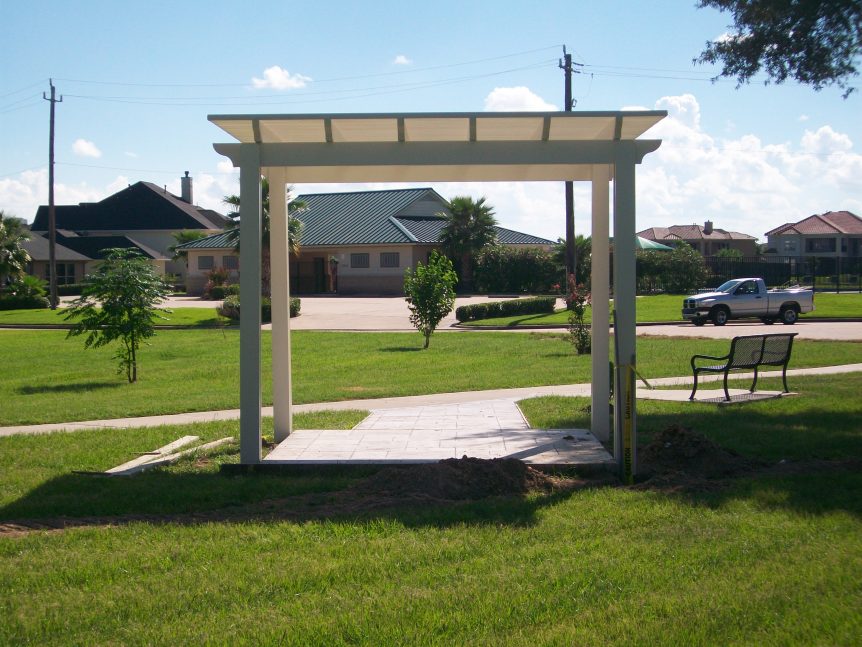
pixel 749 351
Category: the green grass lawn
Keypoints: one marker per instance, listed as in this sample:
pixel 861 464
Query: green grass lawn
pixel 668 307
pixel 771 559
pixel 45 377
pixel 176 317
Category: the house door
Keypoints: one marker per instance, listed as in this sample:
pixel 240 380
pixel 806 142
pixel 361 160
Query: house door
pixel 319 274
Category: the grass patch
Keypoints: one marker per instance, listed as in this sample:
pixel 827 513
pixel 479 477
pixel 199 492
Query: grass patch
pixel 47 378
pixel 668 307
pixel 769 560
pixel 782 428
pixel 39 481
pixel 176 317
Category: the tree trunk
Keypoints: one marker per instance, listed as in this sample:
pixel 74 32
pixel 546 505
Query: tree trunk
pixel 427 338
pixel 265 272
pixel 466 272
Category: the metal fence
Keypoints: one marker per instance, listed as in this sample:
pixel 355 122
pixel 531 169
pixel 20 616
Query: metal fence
pixel 823 273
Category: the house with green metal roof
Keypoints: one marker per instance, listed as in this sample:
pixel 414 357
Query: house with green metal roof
pixel 352 243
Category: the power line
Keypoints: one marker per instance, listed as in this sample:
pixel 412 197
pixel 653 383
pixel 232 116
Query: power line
pixel 329 80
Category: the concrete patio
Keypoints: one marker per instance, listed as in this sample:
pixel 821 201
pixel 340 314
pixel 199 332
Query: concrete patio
pixel 426 434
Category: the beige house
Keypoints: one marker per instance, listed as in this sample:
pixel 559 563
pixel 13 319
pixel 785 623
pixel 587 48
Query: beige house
pixel 144 215
pixel 351 243
pixel 836 234
pixel 706 239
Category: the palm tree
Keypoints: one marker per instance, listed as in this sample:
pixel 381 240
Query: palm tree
pixel 294 230
pixel 583 257
pixel 182 237
pixel 13 257
pixel 470 226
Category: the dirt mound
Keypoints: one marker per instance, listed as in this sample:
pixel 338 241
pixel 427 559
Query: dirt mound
pixel 458 479
pixel 678 450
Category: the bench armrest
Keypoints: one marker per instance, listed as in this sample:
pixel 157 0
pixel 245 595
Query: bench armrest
pixel 724 357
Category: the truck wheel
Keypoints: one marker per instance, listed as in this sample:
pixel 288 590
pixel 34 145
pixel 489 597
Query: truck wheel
pixel 788 316
pixel 698 321
pixel 767 320
pixel 719 316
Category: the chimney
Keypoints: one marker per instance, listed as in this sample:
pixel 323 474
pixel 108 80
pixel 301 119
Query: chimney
pixel 707 226
pixel 186 193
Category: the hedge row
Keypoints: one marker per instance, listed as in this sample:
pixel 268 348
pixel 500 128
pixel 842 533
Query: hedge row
pixel 230 308
pixel 533 305
pixel 520 271
pixel 14 302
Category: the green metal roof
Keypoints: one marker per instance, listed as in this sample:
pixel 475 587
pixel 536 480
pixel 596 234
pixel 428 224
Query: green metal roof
pixel 369 218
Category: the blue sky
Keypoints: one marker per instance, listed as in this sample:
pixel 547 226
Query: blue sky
pixel 138 81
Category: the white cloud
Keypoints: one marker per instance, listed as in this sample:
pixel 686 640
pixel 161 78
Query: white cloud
pixel 278 78
pixel 226 166
pixel 804 118
pixel 516 99
pixel 131 154
pixel 84 148
pixel 741 183
pixel 402 60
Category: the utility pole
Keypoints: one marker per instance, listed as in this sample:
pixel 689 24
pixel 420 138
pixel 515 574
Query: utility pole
pixel 52 216
pixel 566 65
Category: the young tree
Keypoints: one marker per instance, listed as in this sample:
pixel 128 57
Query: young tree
pixel 815 42
pixel 470 226
pixel 118 303
pixel 13 257
pixel 430 293
pixel 294 230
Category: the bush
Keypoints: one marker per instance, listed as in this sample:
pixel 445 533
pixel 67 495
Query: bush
pixel 23 302
pixel 534 305
pixel 233 289
pixel 230 308
pixel 217 292
pixel 503 269
pixel 70 290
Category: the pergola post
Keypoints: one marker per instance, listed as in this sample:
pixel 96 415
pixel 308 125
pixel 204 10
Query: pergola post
pixel 282 395
pixel 600 422
pixel 249 285
pixel 624 304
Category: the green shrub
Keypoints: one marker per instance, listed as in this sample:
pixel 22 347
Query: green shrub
pixel 217 292
pixel 24 302
pixel 230 308
pixel 233 289
pixel 533 305
pixel 503 269
pixel 70 290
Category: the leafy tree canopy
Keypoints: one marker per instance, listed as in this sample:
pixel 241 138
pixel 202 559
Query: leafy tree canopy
pixel 430 293
pixel 815 42
pixel 470 227
pixel 119 303
pixel 13 257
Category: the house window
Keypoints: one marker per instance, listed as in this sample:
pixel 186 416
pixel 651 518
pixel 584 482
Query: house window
pixel 230 262
pixel 360 260
pixel 789 245
pixel 205 262
pixel 390 259
pixel 820 245
pixel 65 273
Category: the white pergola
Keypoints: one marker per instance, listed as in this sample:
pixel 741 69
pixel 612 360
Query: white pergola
pixel 594 147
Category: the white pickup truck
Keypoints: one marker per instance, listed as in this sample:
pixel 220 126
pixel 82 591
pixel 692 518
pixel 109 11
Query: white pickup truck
pixel 740 298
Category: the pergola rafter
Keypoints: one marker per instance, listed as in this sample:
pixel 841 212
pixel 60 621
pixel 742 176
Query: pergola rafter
pixel 458 147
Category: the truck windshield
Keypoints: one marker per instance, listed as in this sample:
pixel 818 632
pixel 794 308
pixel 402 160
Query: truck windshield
pixel 727 287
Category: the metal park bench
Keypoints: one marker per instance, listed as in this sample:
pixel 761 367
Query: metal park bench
pixel 748 352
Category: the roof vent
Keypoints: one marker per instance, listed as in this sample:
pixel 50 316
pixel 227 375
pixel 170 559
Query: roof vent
pixel 186 192
pixel 707 228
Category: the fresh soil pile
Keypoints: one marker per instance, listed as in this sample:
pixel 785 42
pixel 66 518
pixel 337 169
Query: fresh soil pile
pixel 458 479
pixel 681 451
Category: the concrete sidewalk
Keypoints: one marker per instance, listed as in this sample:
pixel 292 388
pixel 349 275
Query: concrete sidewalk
pixel 511 395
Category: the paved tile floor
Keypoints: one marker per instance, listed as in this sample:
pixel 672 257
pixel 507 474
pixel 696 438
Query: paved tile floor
pixel 426 434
